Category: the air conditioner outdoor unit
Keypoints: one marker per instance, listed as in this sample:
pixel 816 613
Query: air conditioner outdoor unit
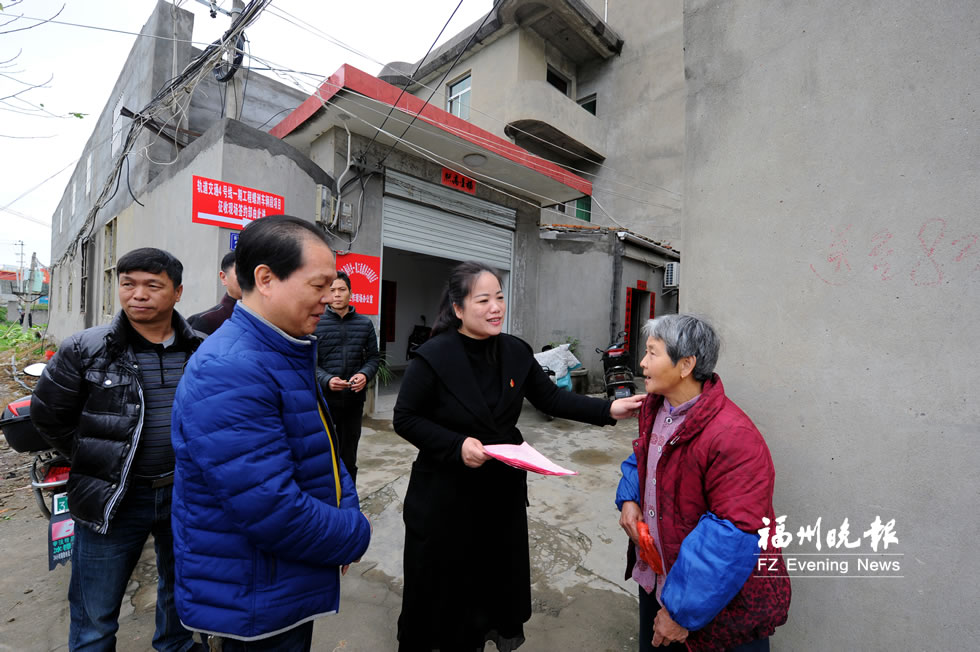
pixel 671 271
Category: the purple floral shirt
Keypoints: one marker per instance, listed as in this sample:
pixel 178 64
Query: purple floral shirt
pixel 665 424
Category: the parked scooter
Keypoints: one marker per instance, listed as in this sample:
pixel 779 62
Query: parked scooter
pixel 419 336
pixel 50 469
pixel 615 367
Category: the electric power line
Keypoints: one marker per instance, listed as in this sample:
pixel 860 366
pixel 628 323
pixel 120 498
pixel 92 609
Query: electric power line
pixel 298 22
pixel 311 29
pixel 462 51
pixel 487 143
pixel 419 67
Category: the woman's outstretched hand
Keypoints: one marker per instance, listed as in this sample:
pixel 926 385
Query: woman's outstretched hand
pixel 473 454
pixel 626 408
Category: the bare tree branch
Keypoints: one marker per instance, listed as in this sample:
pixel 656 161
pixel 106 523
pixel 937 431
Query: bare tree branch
pixel 13 19
pixel 29 88
pixel 19 52
pixel 37 24
pixel 26 137
pixel 29 108
pixel 8 7
pixel 33 114
pixel 19 81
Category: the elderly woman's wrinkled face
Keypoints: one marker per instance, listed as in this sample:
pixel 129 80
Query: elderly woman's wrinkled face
pixel 660 374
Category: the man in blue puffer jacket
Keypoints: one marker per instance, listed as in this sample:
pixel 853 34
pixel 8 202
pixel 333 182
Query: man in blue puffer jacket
pixel 265 515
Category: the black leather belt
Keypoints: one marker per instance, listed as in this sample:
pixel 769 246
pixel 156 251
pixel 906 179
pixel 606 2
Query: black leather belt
pixel 154 482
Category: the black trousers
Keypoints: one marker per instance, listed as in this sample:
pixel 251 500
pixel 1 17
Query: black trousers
pixel 347 418
pixel 648 612
pixel 297 639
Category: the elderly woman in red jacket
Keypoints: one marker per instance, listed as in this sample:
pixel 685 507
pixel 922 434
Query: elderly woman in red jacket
pixel 693 496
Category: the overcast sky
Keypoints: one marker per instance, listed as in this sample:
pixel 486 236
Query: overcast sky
pixel 85 64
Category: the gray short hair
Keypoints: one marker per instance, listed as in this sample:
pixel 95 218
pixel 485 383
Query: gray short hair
pixel 685 335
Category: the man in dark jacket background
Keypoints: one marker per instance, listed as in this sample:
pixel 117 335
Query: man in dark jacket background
pixel 105 400
pixel 347 360
pixel 208 321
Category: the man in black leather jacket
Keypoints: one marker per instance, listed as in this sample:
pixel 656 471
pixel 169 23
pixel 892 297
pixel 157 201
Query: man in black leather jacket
pixel 347 360
pixel 105 401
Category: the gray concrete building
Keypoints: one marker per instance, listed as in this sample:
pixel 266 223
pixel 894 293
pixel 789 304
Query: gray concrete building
pixel 831 233
pixel 395 204
pixel 598 88
pixel 84 247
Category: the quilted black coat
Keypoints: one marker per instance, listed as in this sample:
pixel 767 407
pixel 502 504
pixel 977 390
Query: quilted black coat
pixel 88 404
pixel 467 567
pixel 345 346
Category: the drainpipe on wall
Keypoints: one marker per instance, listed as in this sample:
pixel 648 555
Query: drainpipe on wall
pixel 619 249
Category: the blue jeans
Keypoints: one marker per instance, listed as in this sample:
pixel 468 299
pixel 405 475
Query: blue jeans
pixel 102 564
pixel 649 606
pixel 297 639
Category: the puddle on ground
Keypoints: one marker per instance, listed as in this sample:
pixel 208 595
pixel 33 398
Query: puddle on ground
pixel 592 457
pixel 553 550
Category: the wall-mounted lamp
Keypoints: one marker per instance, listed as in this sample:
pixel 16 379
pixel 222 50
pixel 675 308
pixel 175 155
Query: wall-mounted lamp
pixel 474 160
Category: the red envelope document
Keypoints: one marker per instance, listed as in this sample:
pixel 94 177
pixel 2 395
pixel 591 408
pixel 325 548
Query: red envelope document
pixel 525 457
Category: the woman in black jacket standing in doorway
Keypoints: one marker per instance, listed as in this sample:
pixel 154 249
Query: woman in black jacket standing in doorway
pixel 467 570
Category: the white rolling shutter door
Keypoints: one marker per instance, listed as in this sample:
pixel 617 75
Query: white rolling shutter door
pixel 426 229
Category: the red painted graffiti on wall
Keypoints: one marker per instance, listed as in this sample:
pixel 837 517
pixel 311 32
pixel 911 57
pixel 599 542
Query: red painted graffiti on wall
pixel 932 257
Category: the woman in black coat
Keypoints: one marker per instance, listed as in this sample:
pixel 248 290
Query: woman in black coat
pixel 467 572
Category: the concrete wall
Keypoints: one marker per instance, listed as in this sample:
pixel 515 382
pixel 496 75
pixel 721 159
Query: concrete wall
pixel 640 100
pixel 491 69
pixel 582 281
pixel 574 294
pixel 264 98
pixel 639 126
pixel 832 234
pixel 229 151
pixel 148 67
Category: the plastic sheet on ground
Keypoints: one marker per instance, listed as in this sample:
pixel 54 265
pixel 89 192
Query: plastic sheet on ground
pixel 561 361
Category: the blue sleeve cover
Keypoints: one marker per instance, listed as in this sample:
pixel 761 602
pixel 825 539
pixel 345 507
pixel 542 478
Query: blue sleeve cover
pixel 713 564
pixel 629 484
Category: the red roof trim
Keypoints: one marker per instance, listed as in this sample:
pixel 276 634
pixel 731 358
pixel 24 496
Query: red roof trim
pixel 350 78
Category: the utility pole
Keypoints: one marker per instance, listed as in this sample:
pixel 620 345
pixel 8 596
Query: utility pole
pixel 234 96
pixel 30 297
pixel 20 257
pixel 234 89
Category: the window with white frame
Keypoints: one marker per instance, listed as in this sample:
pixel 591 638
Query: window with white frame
pixel 88 175
pixel 458 102
pixel 109 267
pixel 83 285
pixel 117 127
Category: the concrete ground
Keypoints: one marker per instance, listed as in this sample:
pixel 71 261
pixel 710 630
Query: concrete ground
pixel 580 600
